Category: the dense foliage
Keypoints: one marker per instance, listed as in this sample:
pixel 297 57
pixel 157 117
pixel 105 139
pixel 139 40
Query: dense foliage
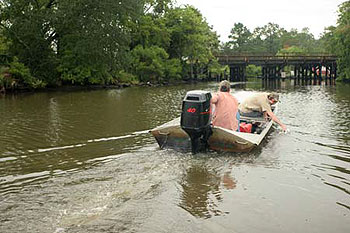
pixel 107 42
pixel 87 42
pixel 274 40
pixel 271 39
pixel 340 38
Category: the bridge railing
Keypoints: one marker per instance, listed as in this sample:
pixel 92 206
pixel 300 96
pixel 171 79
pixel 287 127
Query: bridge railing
pixel 266 57
pixel 275 59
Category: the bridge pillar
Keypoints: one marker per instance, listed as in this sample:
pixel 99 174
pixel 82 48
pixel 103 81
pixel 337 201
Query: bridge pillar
pixel 237 73
pixel 279 71
pixel 233 74
pixel 268 72
pixel 309 71
pixel 331 71
pixel 306 68
pixel 320 71
pixel 271 71
pixel 314 67
pixel 264 72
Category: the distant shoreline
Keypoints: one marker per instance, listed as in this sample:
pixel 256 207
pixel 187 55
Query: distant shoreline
pixel 69 88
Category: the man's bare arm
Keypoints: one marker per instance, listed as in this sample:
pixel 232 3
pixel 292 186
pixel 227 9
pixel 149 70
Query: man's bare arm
pixel 275 119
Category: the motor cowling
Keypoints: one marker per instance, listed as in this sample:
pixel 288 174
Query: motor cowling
pixel 196 119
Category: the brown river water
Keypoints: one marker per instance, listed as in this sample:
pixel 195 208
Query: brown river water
pixel 84 161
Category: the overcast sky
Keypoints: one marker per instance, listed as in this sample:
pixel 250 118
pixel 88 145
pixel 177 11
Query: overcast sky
pixel 222 14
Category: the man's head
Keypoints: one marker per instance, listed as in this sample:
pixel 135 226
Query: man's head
pixel 273 97
pixel 224 86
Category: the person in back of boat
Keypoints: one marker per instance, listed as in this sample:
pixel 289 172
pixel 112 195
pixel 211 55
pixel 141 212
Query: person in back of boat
pixel 259 105
pixel 225 107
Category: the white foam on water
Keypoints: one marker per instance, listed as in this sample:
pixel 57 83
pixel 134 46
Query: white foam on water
pixel 109 139
pixel 136 133
pixel 60 148
pixel 7 159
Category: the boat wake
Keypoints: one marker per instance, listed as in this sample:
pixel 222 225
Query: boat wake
pixel 42 150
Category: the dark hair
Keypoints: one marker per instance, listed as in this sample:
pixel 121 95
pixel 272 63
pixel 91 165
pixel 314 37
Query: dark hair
pixel 225 86
pixel 224 89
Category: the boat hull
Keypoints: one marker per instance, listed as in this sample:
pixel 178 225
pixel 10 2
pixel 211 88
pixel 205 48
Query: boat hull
pixel 170 135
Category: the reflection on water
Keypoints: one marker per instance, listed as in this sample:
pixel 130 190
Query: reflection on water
pixel 202 187
pixel 228 181
pixel 201 192
pixel 85 162
pixel 55 124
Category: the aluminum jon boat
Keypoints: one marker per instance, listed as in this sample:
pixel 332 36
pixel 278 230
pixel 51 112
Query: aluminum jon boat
pixel 172 135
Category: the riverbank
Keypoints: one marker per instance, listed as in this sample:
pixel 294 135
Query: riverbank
pixel 68 88
pixel 96 87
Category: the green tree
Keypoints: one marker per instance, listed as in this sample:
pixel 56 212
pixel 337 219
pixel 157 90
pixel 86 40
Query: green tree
pixel 66 40
pixel 253 71
pixel 4 45
pixel 304 40
pixel 307 41
pixel 266 39
pixel 83 42
pixel 342 40
pixel 239 37
pixel 293 50
pixel 271 35
pixel 93 38
pixel 152 64
pixel 192 39
pixel 270 38
pixel 327 41
pixel 25 25
pixel 149 31
pixel 157 7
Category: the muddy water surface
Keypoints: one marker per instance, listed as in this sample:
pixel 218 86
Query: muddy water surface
pixel 85 162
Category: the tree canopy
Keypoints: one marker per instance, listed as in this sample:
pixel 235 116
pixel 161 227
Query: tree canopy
pixel 341 40
pixel 271 39
pixel 87 42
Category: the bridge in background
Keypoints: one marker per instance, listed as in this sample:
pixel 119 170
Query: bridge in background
pixel 306 67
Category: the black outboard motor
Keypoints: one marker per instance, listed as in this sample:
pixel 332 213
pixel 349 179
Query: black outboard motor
pixel 195 119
